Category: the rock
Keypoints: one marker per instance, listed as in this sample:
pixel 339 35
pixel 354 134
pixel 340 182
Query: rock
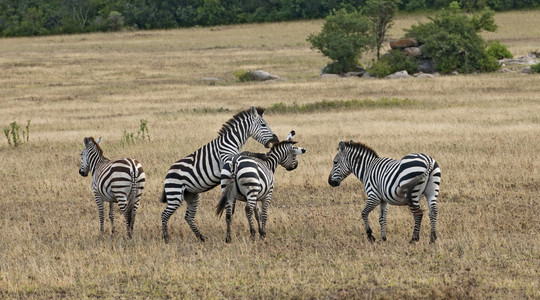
pixel 354 74
pixel 455 72
pixel 261 75
pixel 368 75
pixel 413 51
pixel 423 75
pixel 426 66
pixel 403 43
pixel 526 70
pixel 326 76
pixel 527 60
pixel 505 70
pixel 400 74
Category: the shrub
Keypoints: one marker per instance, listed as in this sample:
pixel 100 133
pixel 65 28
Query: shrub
pixel 498 50
pixel 244 76
pixel 536 68
pixel 396 60
pixel 343 38
pixel 452 40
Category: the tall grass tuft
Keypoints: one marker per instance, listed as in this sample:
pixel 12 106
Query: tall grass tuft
pixel 326 105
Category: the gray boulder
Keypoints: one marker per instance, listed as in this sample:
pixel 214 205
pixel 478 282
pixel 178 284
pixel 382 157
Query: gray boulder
pixel 261 75
pixel 397 75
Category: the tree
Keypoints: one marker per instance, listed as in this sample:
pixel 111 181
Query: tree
pixel 343 38
pixel 381 14
pixel 453 41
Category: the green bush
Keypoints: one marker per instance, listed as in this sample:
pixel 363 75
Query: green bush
pixel 396 60
pixel 244 76
pixel 343 38
pixel 452 40
pixel 536 68
pixel 498 50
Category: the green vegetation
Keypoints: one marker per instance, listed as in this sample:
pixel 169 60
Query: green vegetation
pixel 12 134
pixel 244 76
pixel 142 134
pixel 380 13
pixel 536 68
pixel 498 50
pixel 44 17
pixel 343 38
pixel 340 105
pixel 395 61
pixel 453 41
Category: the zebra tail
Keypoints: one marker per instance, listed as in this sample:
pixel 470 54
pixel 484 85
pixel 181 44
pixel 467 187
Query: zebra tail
pixel 406 189
pixel 227 192
pixel 163 198
pixel 132 192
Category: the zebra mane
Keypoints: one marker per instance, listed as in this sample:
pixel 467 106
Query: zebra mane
pixel 239 116
pixel 276 145
pixel 360 146
pixel 96 144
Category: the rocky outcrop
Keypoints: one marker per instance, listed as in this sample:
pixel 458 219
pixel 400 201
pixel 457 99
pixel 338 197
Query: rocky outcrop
pixel 261 75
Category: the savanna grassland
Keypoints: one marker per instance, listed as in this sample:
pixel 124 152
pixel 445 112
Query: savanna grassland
pixel 482 129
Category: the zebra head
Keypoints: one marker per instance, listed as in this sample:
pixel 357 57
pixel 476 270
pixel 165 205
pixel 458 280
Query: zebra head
pixel 88 153
pixel 259 130
pixel 288 152
pixel 341 168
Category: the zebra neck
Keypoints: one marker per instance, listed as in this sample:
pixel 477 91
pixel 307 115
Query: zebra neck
pixel 360 165
pixel 96 161
pixel 271 162
pixel 231 141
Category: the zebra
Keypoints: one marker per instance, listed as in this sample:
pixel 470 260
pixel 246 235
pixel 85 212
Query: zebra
pixel 249 177
pixel 120 181
pixel 388 181
pixel 200 171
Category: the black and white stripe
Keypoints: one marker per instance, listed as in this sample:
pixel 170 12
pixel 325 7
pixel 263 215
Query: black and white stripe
pixel 388 181
pixel 200 171
pixel 120 181
pixel 249 177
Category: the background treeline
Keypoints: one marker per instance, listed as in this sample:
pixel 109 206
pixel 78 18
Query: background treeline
pixel 43 17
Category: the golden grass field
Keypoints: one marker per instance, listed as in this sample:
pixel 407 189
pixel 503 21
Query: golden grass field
pixel 482 129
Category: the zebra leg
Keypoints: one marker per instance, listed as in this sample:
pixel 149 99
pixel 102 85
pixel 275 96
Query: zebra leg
pixel 228 218
pixel 249 212
pixel 382 219
pixel 259 221
pixel 264 214
pixel 370 205
pixel 172 206
pixel 191 210
pixel 418 214
pixel 111 215
pixel 100 212
pixel 433 220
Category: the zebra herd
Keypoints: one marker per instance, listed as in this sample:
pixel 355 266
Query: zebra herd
pixel 249 177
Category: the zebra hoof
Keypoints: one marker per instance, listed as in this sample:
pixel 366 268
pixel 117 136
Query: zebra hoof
pixel 413 240
pixel 202 238
pixel 228 240
pixel 433 238
pixel 384 239
pixel 371 239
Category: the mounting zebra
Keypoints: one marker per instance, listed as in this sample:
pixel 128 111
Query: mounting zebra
pixel 249 177
pixel 388 181
pixel 200 171
pixel 120 181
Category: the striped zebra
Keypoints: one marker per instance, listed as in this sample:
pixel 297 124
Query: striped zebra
pixel 388 181
pixel 249 177
pixel 200 171
pixel 120 181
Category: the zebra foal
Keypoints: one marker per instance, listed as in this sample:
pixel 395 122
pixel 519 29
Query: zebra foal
pixel 387 181
pixel 200 171
pixel 249 177
pixel 120 181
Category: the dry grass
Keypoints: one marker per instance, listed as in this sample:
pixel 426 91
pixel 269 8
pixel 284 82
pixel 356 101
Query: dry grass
pixel 482 129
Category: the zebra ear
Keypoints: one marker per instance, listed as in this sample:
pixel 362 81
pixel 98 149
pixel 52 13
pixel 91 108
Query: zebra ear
pixel 98 140
pixel 85 141
pixel 291 135
pixel 341 146
pixel 253 110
